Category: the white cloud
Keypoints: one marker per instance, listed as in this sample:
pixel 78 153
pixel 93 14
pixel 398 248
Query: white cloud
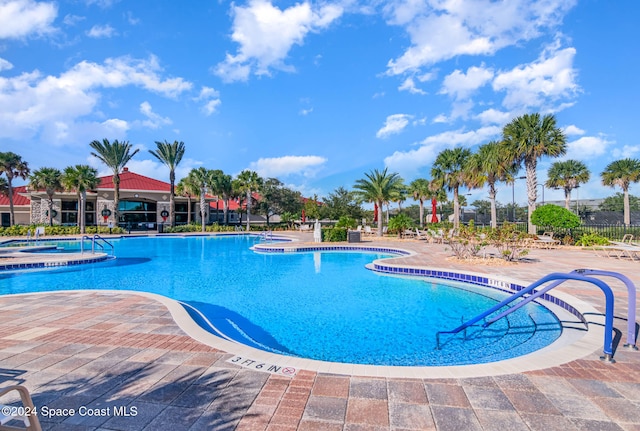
pixel 573 130
pixel 287 165
pixel 440 30
pixel 394 124
pixel 5 65
pixel 211 98
pixel 493 116
pixel 550 78
pixel 587 147
pixel 31 103
pixel 153 120
pixel 627 151
pixel 305 112
pixel 407 163
pixel 460 85
pixel 410 86
pixel 71 20
pixel 266 34
pixel 102 31
pixel 21 18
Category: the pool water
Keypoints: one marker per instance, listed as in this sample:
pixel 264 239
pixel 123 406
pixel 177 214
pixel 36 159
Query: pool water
pixel 324 306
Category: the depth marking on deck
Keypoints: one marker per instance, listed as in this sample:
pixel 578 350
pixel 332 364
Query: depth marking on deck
pixel 253 364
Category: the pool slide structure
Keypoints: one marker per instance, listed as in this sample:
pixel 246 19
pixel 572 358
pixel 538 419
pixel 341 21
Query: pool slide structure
pixel 558 278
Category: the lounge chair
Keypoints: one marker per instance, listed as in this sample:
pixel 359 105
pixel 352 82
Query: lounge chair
pixel 422 235
pixel 30 420
pixel 546 241
pixel 368 231
pixel 620 249
pixel 437 237
pixel 408 233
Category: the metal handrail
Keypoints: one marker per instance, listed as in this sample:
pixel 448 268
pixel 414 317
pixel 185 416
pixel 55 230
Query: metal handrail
pixel 560 278
pixel 94 243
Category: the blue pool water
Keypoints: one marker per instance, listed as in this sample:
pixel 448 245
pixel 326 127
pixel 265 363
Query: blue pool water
pixel 324 306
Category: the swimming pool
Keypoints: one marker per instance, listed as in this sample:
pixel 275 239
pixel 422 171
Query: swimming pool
pixel 323 306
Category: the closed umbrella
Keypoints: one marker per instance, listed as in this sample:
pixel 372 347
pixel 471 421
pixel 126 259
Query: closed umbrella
pixel 434 210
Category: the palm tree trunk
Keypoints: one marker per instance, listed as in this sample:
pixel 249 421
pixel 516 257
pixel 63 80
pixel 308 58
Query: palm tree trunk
pixel 226 211
pixel 11 215
pixel 421 214
pixel 567 198
pixel 116 198
pixel 627 214
pixel 50 210
pixel 172 205
pixel 492 199
pixel 83 216
pixel 532 189
pixel 188 209
pixel 202 208
pixel 456 209
pixel 248 210
pixel 380 203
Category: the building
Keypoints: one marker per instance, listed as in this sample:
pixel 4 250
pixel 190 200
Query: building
pixel 144 203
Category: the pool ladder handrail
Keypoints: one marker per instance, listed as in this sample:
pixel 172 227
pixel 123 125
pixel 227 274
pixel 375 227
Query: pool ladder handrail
pixel 267 236
pixel 560 278
pixel 631 308
pixel 94 243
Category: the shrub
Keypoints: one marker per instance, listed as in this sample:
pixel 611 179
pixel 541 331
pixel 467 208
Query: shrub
pixel 334 234
pixel 554 216
pixel 400 223
pixel 591 239
pixel 509 242
pixel 346 222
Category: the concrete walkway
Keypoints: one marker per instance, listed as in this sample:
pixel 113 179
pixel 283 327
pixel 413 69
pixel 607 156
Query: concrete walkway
pixel 118 361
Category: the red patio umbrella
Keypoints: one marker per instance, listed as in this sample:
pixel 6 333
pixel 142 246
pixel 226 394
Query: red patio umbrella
pixel 434 210
pixel 304 216
pixel 375 212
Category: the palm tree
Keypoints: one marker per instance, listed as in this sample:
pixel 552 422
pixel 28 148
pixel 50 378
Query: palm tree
pixel 449 171
pixel 420 189
pixel 187 189
pixel 200 179
pixel 248 182
pixel 378 187
pixel 4 187
pixel 399 196
pixel 528 138
pixel 222 185
pixel 12 166
pixel 567 175
pixel 49 179
pixel 170 155
pixel 490 165
pixel 115 155
pixel 622 173
pixel 81 178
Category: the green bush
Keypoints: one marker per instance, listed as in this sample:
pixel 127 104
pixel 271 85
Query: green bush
pixel 556 217
pixel 334 234
pixel 591 239
pixel 400 223
pixel 346 222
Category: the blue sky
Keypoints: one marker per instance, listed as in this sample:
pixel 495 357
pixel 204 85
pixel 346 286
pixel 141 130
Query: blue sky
pixel 316 93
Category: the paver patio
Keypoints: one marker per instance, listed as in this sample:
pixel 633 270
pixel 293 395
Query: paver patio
pixel 123 353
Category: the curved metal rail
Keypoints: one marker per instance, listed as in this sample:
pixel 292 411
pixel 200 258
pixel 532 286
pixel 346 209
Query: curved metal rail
pixel 94 242
pixel 559 278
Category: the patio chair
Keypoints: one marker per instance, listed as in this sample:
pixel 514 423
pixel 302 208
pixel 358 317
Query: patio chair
pixel 408 233
pixel 422 235
pixel 368 231
pixel 436 237
pixel 546 241
pixel 30 420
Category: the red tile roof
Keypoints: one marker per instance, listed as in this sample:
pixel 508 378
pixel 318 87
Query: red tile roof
pixel 17 199
pixel 132 181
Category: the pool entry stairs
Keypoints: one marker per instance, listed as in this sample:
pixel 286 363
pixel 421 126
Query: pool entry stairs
pixel 554 280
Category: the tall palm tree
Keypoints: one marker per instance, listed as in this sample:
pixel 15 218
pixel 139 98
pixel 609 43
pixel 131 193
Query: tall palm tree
pixel 12 166
pixel 80 178
pixel 199 177
pixel 420 189
pixel 49 179
pixel 449 171
pixel 248 182
pixel 378 187
pixel 567 175
pixel 170 155
pixel 528 138
pixel 490 165
pixel 187 189
pixel 399 196
pixel 622 173
pixel 222 185
pixel 115 155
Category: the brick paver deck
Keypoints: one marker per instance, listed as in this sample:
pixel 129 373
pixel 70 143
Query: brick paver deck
pixel 121 357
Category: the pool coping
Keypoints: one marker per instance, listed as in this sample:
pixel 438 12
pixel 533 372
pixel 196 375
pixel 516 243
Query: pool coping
pixel 582 344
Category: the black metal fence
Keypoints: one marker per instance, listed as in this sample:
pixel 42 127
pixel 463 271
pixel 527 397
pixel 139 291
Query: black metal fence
pixel 609 231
